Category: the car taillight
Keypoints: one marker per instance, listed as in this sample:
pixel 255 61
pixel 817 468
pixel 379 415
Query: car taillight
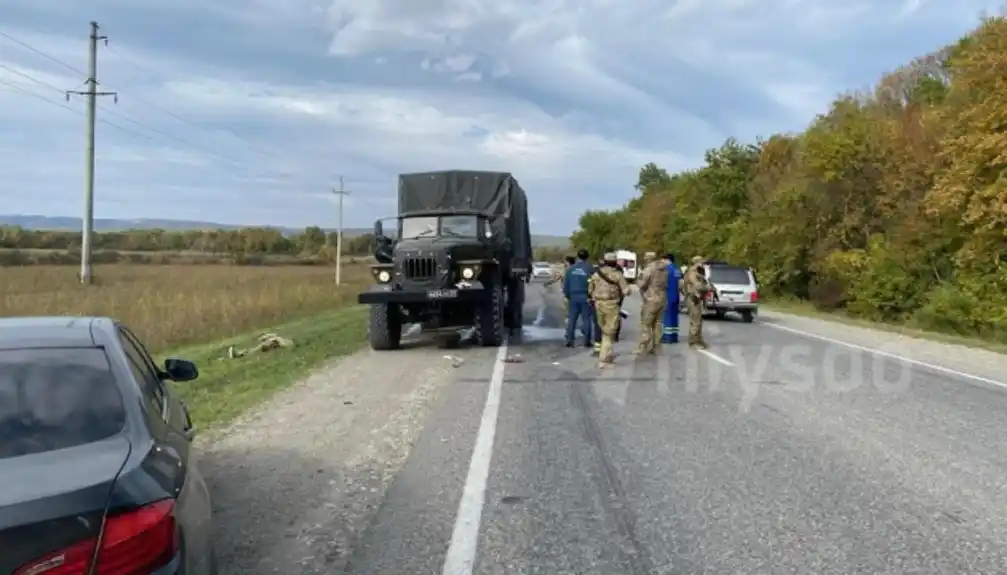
pixel 755 296
pixel 134 543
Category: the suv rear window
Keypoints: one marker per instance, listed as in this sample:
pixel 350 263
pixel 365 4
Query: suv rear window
pixel 56 398
pixel 729 275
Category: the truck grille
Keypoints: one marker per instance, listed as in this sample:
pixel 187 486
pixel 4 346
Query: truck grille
pixel 420 268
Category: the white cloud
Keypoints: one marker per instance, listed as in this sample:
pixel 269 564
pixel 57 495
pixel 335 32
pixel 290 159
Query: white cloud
pixel 253 119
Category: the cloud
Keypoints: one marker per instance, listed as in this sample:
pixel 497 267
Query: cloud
pixel 248 111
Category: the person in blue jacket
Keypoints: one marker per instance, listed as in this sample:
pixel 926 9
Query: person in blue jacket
pixel 669 333
pixel 575 291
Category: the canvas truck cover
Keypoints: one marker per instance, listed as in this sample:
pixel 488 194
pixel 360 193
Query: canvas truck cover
pixel 497 194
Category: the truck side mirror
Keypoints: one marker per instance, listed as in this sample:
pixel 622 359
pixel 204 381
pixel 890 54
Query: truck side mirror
pixel 379 230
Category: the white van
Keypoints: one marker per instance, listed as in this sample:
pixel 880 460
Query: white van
pixel 627 260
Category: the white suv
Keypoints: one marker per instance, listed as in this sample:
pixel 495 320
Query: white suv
pixel 734 290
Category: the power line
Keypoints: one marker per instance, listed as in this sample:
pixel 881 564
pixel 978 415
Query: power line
pixel 91 83
pixel 49 57
pixel 133 97
pixel 273 154
pixel 21 89
pixel 138 123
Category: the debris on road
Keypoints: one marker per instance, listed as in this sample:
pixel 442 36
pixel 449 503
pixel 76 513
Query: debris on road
pixel 267 342
pixel 455 360
pixel 516 358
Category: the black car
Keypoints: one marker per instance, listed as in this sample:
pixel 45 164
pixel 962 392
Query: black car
pixel 97 475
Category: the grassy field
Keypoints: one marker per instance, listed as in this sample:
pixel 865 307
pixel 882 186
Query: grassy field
pixel 197 311
pixel 173 306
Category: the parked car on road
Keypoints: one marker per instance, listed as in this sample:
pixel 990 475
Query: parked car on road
pixel 734 290
pixel 96 455
pixel 541 270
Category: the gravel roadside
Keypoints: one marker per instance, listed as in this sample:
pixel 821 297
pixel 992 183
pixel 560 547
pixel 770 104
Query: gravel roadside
pixel 970 360
pixel 296 480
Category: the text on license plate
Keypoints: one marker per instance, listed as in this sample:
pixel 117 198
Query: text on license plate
pixel 442 293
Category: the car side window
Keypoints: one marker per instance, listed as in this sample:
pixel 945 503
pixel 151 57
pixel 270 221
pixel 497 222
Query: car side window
pixel 143 370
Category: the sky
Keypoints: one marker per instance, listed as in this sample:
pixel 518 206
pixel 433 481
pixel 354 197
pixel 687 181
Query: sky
pixel 250 111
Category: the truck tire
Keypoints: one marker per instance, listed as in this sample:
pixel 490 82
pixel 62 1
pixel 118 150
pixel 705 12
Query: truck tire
pixel 384 328
pixel 747 316
pixel 515 305
pixel 490 318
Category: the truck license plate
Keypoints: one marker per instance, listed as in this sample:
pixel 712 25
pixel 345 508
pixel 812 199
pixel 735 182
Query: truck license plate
pixel 442 293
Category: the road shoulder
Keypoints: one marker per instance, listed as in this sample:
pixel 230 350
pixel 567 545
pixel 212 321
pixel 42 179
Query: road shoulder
pixel 956 357
pixel 297 479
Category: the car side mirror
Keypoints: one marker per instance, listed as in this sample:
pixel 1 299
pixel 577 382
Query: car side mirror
pixel 180 370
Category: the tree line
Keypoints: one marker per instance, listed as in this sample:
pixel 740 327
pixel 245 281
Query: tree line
pixel 313 245
pixel 891 205
pixel 313 241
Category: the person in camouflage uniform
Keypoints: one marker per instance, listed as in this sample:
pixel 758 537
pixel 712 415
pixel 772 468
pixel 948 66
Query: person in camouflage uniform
pixel 653 284
pixel 696 287
pixel 606 288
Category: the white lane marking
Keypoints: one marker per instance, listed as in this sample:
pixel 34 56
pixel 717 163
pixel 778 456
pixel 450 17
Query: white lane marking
pixel 461 556
pixel 931 366
pixel 715 357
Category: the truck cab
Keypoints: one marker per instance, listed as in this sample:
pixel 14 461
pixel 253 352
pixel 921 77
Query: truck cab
pixel 454 262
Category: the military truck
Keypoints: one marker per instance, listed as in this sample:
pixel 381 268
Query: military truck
pixel 461 258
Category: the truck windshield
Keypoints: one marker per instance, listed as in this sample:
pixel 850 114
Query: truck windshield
pixel 460 226
pixel 466 226
pixel 420 227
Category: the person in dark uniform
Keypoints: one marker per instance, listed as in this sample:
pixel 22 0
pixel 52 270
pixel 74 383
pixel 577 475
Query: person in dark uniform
pixel 575 290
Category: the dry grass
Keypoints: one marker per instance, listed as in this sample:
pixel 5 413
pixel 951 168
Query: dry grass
pixel 175 305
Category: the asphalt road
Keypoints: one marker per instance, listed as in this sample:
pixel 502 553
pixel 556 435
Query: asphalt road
pixel 775 453
pixel 772 453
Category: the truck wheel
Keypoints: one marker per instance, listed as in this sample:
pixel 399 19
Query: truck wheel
pixel 515 306
pixel 384 327
pixel 747 316
pixel 490 319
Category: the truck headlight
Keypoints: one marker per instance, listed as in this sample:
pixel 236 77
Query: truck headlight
pixel 384 276
pixel 468 273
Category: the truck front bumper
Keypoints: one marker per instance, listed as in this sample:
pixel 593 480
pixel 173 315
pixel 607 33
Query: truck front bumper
pixel 385 294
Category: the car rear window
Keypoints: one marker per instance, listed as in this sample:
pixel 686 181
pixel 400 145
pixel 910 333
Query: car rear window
pixel 727 275
pixel 56 398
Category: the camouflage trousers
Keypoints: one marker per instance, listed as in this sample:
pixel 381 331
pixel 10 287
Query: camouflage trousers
pixel 695 307
pixel 608 321
pixel 651 326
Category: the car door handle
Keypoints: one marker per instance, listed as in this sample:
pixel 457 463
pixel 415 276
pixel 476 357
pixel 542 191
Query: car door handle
pixel 190 432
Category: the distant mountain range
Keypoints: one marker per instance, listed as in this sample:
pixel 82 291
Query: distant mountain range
pixel 31 222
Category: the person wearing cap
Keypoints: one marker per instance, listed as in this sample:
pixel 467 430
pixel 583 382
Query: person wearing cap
pixel 575 290
pixel 607 259
pixel 696 288
pixel 654 292
pixel 669 330
pixel 606 288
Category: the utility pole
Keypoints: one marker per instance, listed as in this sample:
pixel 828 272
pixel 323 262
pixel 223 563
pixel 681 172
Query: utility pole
pixel 92 94
pixel 342 193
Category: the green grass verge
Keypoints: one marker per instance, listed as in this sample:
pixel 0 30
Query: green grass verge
pixel 228 387
pixel 807 310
